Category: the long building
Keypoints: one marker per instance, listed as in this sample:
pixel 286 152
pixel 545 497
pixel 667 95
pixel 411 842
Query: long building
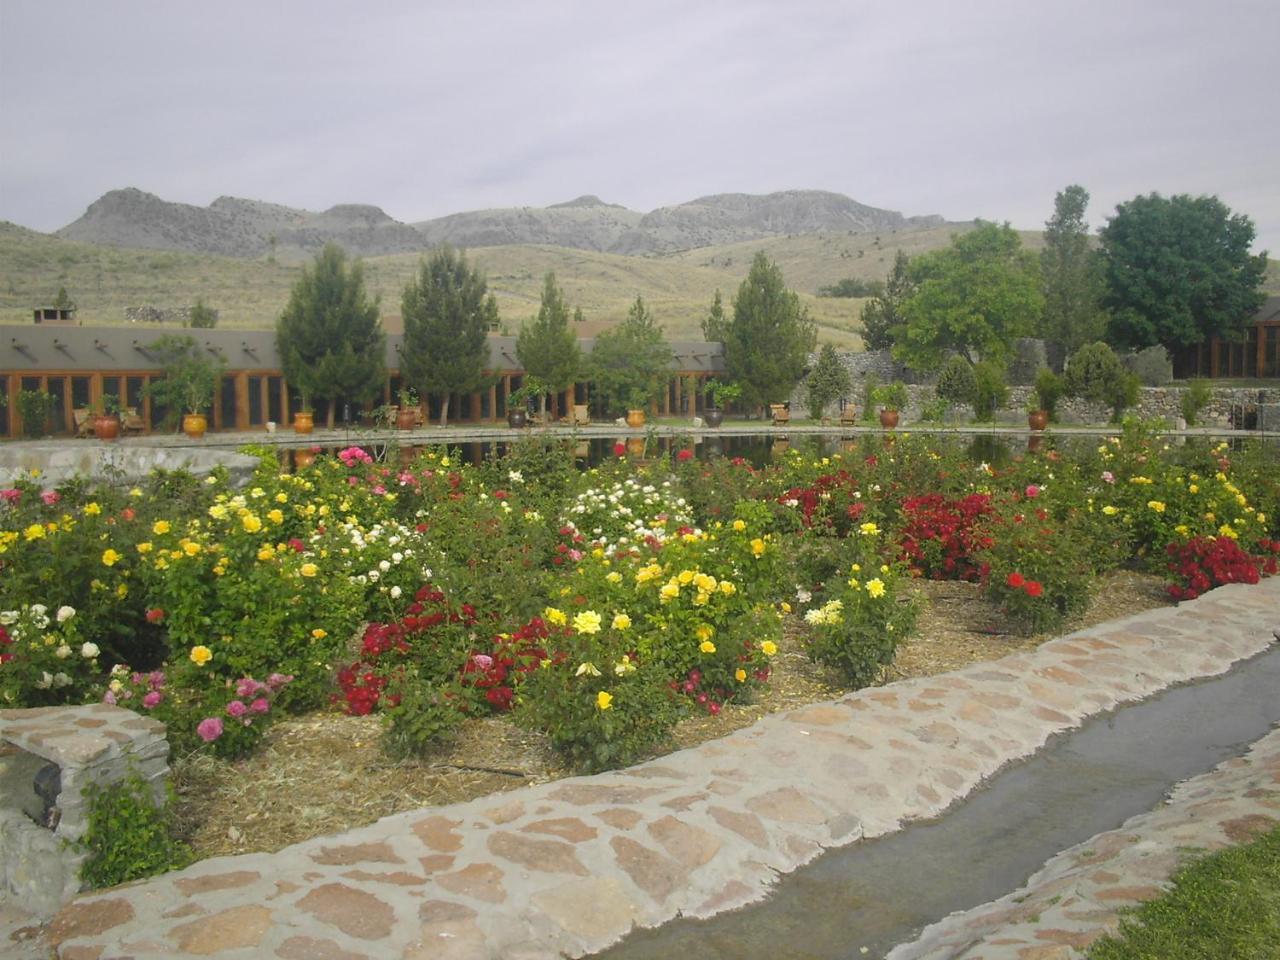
pixel 77 366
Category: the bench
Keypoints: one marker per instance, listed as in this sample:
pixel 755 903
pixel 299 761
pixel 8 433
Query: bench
pixel 781 414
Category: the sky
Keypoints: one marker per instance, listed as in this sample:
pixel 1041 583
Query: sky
pixel 983 108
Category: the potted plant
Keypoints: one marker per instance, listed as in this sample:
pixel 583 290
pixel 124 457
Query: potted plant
pixel 1043 402
pixel 407 412
pixel 191 374
pixel 890 398
pixel 304 420
pixel 637 399
pixel 519 400
pixel 106 418
pixel 719 395
pixel 35 408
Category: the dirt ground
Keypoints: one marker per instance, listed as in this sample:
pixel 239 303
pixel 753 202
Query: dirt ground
pixel 324 773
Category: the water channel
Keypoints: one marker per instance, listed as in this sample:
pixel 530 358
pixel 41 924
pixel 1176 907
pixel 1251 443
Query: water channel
pixel 860 901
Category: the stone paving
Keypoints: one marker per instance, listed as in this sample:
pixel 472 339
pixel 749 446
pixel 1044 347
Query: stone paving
pixel 566 868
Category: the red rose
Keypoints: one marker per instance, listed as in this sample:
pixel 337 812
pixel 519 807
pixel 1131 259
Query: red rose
pixel 1034 589
pixel 684 455
pixel 619 449
pixel 1015 580
pixel 155 615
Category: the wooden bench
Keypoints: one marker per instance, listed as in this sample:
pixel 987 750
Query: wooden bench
pixel 781 414
pixel 580 417
pixel 848 416
pixel 82 419
pixel 131 423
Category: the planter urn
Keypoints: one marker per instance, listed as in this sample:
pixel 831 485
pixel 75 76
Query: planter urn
pixel 635 419
pixel 888 419
pixel 1038 419
pixel 517 419
pixel 106 426
pixel 304 421
pixel 713 417
pixel 194 425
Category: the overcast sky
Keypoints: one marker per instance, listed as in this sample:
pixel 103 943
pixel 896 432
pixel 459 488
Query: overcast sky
pixel 983 108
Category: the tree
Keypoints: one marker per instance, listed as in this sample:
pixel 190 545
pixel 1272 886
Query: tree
pixel 329 337
pixel 447 313
pixel 630 363
pixel 828 381
pixel 883 314
pixel 714 322
pixel 975 297
pixel 957 382
pixel 63 300
pixel 1179 271
pixel 1072 274
pixel 768 341
pixel 546 347
pixel 202 316
pixel 1095 373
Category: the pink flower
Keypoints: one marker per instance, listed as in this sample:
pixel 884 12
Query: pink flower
pixel 278 680
pixel 1108 477
pixel 1032 491
pixel 353 481
pixel 152 699
pixel 236 708
pixel 713 708
pixel 247 687
pixel 619 449
pixel 50 497
pixel 210 729
pixel 483 661
pixel 261 705
pixel 379 489
pixel 109 697
pixel 11 495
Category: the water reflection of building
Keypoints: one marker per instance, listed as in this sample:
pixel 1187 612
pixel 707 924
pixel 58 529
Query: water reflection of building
pixel 77 366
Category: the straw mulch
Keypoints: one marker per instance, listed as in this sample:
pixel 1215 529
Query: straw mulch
pixel 324 773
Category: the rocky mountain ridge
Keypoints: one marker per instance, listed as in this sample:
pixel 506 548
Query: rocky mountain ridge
pixel 232 226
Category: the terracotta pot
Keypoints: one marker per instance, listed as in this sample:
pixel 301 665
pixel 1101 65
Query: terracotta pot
pixel 713 418
pixel 888 419
pixel 1038 419
pixel 1034 443
pixel 194 425
pixel 406 418
pixel 635 419
pixel 517 419
pixel 106 426
pixel 303 458
pixel 635 446
pixel 304 422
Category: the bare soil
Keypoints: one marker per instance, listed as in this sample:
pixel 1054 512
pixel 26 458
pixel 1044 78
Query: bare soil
pixel 324 773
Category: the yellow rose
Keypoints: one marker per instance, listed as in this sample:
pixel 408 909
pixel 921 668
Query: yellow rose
pixel 275 516
pixel 553 615
pixel 769 648
pixel 740 675
pixel 621 621
pixel 604 700
pixel 160 527
pixel 265 553
pixel 706 646
pixel 110 558
pixel 588 621
pixel 757 547
pixel 308 569
pixel 739 525
pixel 200 655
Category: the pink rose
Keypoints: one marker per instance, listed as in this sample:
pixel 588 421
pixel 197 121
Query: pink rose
pixel 1108 477
pixel 483 661
pixel 278 680
pixel 261 705
pixel 210 729
pixel 1032 491
pixel 50 497
pixel 152 699
pixel 236 708
pixel 11 495
pixel 109 697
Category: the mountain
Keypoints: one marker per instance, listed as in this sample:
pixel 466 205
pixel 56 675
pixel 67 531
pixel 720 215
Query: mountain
pixel 234 227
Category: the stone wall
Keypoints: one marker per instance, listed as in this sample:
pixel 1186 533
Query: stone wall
pixel 150 314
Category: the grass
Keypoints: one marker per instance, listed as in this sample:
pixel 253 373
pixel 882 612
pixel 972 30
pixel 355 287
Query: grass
pixel 1225 905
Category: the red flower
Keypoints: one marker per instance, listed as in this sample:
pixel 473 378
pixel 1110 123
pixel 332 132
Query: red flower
pixel 1015 580
pixel 619 449
pixel 155 615
pixel 1033 588
pixel 684 455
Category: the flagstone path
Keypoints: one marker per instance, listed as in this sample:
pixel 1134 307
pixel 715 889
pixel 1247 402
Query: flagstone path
pixel 566 868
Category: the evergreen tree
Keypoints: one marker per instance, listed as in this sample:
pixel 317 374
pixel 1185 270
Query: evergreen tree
pixel 201 316
pixel 828 381
pixel 769 339
pixel 447 313
pixel 713 324
pixel 1073 282
pixel 631 363
pixel 546 347
pixel 329 337
pixel 883 314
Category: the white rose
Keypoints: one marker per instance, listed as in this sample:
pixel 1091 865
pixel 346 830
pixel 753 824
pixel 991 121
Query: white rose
pixel 395 593
pixel 65 613
pixel 45 681
pixel 89 650
pixel 62 652
pixel 61 680
pixel 8 617
pixel 39 609
pixel 384 565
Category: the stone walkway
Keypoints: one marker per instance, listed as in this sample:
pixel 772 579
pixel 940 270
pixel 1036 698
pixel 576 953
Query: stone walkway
pixel 566 868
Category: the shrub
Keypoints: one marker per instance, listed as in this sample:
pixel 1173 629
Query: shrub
pixel 957 382
pixel 940 538
pixel 1048 391
pixel 1096 374
pixel 1203 563
pixel 991 393
pixel 891 396
pixel 35 407
pixel 129 835
pixel 934 410
pixel 419 716
pixel 1194 398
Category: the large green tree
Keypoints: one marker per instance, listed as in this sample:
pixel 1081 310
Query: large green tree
pixel 770 336
pixel 546 347
pixel 447 313
pixel 1072 273
pixel 1179 271
pixel 883 313
pixel 630 363
pixel 329 337
pixel 975 297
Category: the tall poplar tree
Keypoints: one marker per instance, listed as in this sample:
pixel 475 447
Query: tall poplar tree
pixel 546 347
pixel 448 312
pixel 768 341
pixel 1073 281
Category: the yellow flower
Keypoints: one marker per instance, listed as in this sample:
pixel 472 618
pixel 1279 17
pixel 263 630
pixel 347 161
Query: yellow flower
pixel 739 525
pixel 275 516
pixel 621 621
pixel 706 646
pixel 740 675
pixel 92 509
pixel 160 527
pixel 1182 530
pixel 251 523
pixel 854 584
pixel 855 568
pixel 588 621
pixel 757 547
pixel 1261 518
pixel 645 574
pixel 614 577
pixel 555 616
pixel 1156 505
pixel 704 631
pixel 875 587
pixel 624 666
pixel 1110 511
pixel 265 553
pixel 200 655
pixel 669 591
pixel 727 588
pixel 868 529
pixel 190 547
pixel 1194 488
pixel 786 607
pixel 110 558
pixel 308 569
pixel 218 511
pixel 604 700
pixel 769 648
pixel 685 576
pixel 282 497
pixel 587 670
pixel 34 532
pixel 1226 531
pixel 122 590
pixel 319 633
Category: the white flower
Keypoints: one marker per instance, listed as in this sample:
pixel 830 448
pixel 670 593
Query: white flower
pixel 45 681
pixel 374 576
pixel 65 613
pixel 803 595
pixel 515 476
pixel 61 680
pixel 89 650
pixel 384 565
pixel 397 556
pixel 62 652
pixel 8 617
pixel 39 609
pixel 395 593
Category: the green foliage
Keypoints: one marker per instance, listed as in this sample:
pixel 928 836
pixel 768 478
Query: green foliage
pixel 869 387
pixel 1222 906
pixel 715 322
pixel 1096 374
pixel 630 363
pixel 1048 391
pixel 329 337
pixel 853 287
pixel 201 316
pixel 191 374
pixel 991 393
pixel 934 410
pixel 546 346
pixel 1179 271
pixel 828 381
pixel 1194 399
pixel 956 381
pixel 890 396
pixel 448 314
pixel 35 407
pixel 721 394
pixel 769 339
pixel 63 300
pixel 883 315
pixel 129 836
pixel 975 297
pixel 1072 273
pixel 418 717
